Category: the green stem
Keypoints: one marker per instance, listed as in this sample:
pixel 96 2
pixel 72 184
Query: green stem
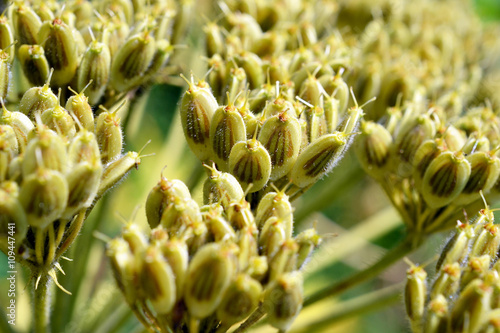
pixel 84 246
pixel 73 232
pixel 356 307
pixel 254 318
pixel 42 305
pixel 64 305
pixel 408 245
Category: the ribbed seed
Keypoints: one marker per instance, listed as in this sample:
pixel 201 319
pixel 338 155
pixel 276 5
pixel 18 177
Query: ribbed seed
pixel 317 159
pixel 444 179
pixel 250 163
pixel 226 129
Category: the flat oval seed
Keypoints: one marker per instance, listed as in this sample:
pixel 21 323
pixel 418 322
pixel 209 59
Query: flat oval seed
pixel 317 159
pixel 44 195
pixel 250 163
pixel 444 179
pixel 209 275
pixel 197 108
pixel 227 128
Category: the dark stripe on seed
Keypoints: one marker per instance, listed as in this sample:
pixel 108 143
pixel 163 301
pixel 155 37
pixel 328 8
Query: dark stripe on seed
pixel 477 179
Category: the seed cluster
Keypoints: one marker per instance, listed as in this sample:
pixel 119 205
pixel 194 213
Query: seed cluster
pixel 431 164
pixel 59 154
pixel 427 139
pixel 465 294
pixel 53 166
pixel 110 47
pixel 274 106
pixel 209 267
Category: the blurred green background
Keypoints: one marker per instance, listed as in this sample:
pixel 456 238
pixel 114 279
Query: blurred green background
pixel 350 197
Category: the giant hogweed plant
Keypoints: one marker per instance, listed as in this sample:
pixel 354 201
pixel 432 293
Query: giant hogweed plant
pixel 288 87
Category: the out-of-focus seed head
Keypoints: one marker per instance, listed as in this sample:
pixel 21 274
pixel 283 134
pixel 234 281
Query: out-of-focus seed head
pixel 135 239
pixel 283 297
pixel 425 154
pixel 240 299
pixel 158 281
pixel 307 240
pixel 13 220
pixel 454 138
pixel 437 316
pixel 83 148
pixel 214 39
pixel 272 236
pixel 124 267
pixel 486 242
pixel 415 294
pixel 336 87
pixel 475 144
pixel 278 106
pixel 471 307
pixel 4 74
pixel 239 214
pixel 44 195
pixel 477 268
pixel 44 11
pixel 6 37
pixel 197 108
pixel 162 54
pixel 176 253
pixel 210 273
pixel 412 134
pixel 285 259
pixel 252 65
pixel 219 227
pixel 26 24
pixel 248 247
pixel 447 282
pixel 8 143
